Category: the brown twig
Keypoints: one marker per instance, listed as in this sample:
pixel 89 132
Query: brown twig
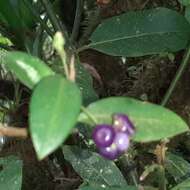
pixel 72 72
pixel 10 131
pixel 160 152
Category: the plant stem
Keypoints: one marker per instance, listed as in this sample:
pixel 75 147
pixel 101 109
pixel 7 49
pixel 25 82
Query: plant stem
pixel 162 180
pixel 10 131
pixel 57 25
pixel 85 47
pixel 177 77
pixel 76 25
pixel 125 162
pixel 48 7
pixel 31 7
pixel 63 59
pixel 89 115
pixel 94 20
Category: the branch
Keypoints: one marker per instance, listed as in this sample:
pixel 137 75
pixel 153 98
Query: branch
pixel 52 16
pixel 76 25
pixel 10 131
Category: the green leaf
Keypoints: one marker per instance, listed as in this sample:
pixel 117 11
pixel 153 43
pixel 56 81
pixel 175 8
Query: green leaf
pixel 142 33
pixel 185 185
pixel 187 13
pixel 152 122
pixel 18 22
pixel 11 17
pixel 54 108
pixel 177 167
pixel 11 173
pixel 19 18
pixel 115 188
pixel 3 53
pixel 26 14
pixel 185 2
pixel 83 80
pixel 93 168
pixel 28 69
pixel 103 188
pixel 150 188
pixel 5 41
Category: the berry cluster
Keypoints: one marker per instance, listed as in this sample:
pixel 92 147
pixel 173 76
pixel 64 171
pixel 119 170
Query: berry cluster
pixel 113 140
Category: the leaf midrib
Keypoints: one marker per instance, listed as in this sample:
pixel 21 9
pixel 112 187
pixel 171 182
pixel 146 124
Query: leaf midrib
pixel 132 36
pixel 104 117
pixel 52 119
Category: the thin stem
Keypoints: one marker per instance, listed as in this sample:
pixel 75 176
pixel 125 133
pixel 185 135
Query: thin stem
pixel 72 71
pixel 59 44
pixel 63 59
pixel 94 20
pixel 56 24
pixel 162 179
pixel 125 162
pixel 38 18
pixel 177 77
pixel 17 94
pixel 85 47
pixel 48 7
pixel 89 115
pixel 76 25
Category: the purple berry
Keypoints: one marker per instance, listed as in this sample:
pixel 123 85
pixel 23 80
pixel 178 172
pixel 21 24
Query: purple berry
pixel 110 153
pixel 122 123
pixel 103 135
pixel 121 141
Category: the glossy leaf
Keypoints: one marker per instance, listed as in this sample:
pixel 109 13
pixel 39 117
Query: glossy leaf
pixel 29 70
pixel 19 18
pixel 177 167
pixel 54 108
pixel 185 185
pixel 108 188
pixel 142 33
pixel 152 122
pixel 93 168
pixel 114 188
pixel 11 173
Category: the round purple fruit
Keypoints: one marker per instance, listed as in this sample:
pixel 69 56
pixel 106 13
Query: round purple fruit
pixel 122 123
pixel 110 153
pixel 121 141
pixel 103 135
